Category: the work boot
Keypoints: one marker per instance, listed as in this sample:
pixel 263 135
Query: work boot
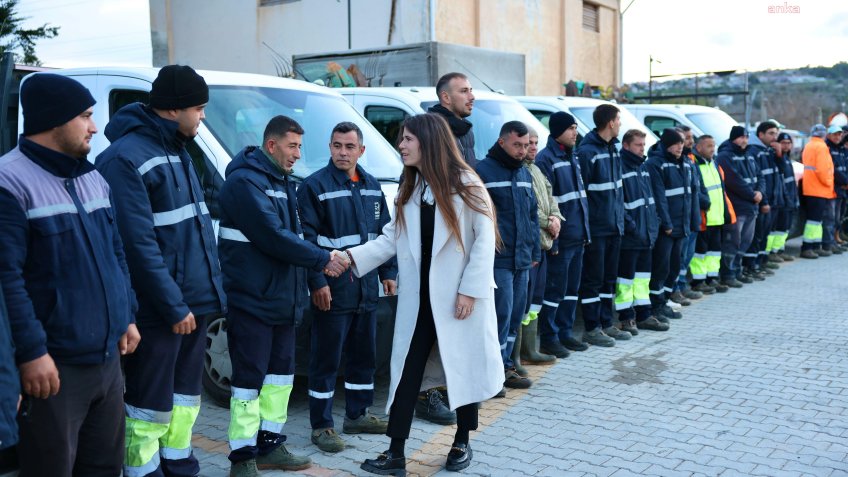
pixel 573 344
pixel 662 319
pixel 754 275
pixel 745 279
pixel 652 324
pixel 824 253
pixel 327 440
pixel 764 272
pixel 771 266
pixel 775 258
pixel 717 286
pixel 786 257
pixel 529 347
pixel 281 458
pixel 678 298
pixel 432 406
pixel 598 338
pixel 667 312
pixel 692 294
pixel 616 333
pixel 514 381
pixel 674 305
pixel 501 393
pixel 516 355
pixel 836 250
pixel 245 468
pixel 731 283
pixel 365 424
pixel 704 288
pixel 555 349
pixel 809 254
pixel 629 326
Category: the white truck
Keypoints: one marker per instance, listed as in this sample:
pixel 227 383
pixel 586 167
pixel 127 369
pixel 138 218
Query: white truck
pixel 702 119
pixel 581 108
pixel 240 106
pixel 386 108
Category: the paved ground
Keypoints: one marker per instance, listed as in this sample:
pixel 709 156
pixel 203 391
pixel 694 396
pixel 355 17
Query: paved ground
pixel 752 382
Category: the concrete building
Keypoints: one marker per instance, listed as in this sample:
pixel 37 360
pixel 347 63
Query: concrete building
pixel 562 40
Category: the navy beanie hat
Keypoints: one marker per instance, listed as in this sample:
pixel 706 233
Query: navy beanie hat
pixel 50 100
pixel 736 132
pixel 670 137
pixel 559 122
pixel 178 87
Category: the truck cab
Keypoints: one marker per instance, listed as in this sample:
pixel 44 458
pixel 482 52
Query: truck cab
pixel 581 108
pixel 386 109
pixel 240 106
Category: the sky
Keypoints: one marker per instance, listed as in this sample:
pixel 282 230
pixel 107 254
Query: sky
pixel 685 36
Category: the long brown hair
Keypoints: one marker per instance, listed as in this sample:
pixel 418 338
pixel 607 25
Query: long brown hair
pixel 443 167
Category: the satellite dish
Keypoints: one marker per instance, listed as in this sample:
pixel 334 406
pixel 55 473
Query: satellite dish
pixel 838 119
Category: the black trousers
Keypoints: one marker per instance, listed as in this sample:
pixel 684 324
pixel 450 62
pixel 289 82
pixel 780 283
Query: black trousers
pixel 665 268
pixel 78 432
pixel 597 286
pixel 403 406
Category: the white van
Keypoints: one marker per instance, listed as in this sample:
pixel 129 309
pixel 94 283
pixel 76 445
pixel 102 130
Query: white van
pixel 240 106
pixel 386 108
pixel 581 108
pixel 702 119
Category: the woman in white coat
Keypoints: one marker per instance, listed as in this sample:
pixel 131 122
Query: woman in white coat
pixel 444 236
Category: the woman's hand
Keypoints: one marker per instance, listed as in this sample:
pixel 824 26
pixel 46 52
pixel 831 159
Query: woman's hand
pixel 464 306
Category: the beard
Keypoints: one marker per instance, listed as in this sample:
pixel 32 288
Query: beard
pixel 72 146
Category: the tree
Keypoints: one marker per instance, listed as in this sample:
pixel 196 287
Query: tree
pixel 14 37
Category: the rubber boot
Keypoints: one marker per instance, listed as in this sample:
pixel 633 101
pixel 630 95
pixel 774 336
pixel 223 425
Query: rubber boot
pixel 516 355
pixel 530 348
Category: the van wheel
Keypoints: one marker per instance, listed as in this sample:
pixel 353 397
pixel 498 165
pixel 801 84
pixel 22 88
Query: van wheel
pixel 217 369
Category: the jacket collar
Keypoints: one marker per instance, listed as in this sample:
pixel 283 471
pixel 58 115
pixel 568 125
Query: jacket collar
pixel 631 159
pixel 558 149
pixel 459 126
pixel 497 153
pixel 54 162
pixel 341 177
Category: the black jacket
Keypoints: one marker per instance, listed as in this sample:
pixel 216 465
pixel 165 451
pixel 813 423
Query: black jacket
pixel 600 165
pixel 163 219
pixel 741 177
pixel 511 188
pixel 641 223
pixel 461 129
pixel 336 214
pixel 563 172
pixel 671 180
pixel 263 254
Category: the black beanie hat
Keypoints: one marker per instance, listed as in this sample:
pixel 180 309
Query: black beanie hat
pixel 51 100
pixel 782 136
pixel 737 131
pixel 178 87
pixel 559 122
pixel 670 137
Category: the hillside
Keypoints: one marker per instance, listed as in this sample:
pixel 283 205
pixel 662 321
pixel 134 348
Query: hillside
pixel 797 98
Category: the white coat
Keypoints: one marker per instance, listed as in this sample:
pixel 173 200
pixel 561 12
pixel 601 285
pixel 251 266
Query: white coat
pixel 467 358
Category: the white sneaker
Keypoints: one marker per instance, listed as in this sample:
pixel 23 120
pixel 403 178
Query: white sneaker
pixel 674 305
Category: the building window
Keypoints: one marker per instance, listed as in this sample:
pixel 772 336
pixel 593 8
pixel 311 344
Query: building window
pixel 271 3
pixel 590 17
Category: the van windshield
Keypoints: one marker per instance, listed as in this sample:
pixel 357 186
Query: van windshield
pixel 717 124
pixel 489 115
pixel 628 122
pixel 237 116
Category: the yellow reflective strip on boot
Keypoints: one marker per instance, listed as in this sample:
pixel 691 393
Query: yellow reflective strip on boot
pixel 531 315
pixel 274 402
pixel 244 418
pixel 623 293
pixel 141 440
pixel 176 443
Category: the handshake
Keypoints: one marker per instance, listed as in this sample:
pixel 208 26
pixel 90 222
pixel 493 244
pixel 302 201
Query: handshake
pixel 339 262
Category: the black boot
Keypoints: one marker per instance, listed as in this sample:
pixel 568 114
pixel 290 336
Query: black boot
pixel 386 464
pixel 459 457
